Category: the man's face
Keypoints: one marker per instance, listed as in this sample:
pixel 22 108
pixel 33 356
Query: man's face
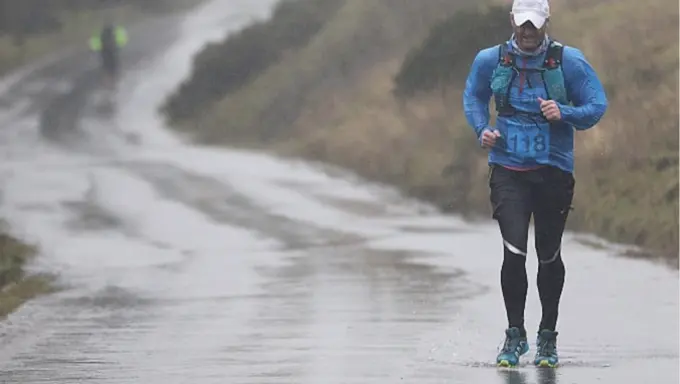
pixel 529 38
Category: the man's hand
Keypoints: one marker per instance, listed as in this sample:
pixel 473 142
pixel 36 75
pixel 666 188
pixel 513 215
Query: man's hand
pixel 489 138
pixel 550 109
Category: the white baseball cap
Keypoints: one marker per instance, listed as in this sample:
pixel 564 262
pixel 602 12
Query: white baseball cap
pixel 536 11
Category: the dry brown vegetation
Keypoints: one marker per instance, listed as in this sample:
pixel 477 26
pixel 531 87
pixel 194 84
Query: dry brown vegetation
pixel 15 286
pixel 333 100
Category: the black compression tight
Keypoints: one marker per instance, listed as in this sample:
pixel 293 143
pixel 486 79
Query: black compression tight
pixel 514 283
pixel 546 194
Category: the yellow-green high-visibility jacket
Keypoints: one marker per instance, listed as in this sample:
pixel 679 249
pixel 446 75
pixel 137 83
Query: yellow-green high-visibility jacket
pixel 120 35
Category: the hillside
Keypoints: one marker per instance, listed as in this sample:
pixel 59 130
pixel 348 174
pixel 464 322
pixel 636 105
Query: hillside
pixel 377 89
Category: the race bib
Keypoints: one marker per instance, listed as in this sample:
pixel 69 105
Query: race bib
pixel 531 143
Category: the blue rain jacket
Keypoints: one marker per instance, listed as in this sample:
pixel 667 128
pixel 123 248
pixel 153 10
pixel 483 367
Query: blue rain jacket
pixel 527 139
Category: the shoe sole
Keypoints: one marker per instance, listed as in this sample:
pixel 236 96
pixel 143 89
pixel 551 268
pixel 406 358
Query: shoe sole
pixel 506 364
pixel 545 364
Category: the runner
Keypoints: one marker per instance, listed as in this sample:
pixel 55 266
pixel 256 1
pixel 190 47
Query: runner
pixel 108 43
pixel 543 91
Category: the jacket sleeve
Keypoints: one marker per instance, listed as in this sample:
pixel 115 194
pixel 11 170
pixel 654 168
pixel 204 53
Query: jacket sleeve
pixel 95 43
pixel 121 36
pixel 477 93
pixel 584 89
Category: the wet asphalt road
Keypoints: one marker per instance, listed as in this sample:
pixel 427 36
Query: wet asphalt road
pixel 190 265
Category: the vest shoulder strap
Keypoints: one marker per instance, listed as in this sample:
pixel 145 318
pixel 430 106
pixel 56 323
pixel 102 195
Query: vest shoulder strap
pixel 553 56
pixel 505 58
pixel 553 77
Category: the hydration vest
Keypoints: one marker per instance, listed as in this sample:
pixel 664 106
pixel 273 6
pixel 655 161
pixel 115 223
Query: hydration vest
pixel 507 70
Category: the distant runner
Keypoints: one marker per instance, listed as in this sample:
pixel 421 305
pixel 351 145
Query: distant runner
pixel 543 91
pixel 108 43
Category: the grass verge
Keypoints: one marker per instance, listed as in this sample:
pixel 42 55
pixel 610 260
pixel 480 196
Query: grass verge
pixel 16 287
